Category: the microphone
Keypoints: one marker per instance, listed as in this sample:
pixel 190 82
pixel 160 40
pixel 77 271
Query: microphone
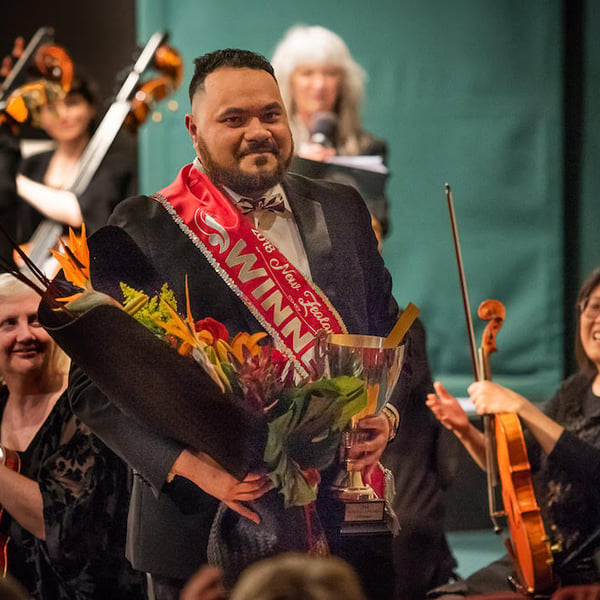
pixel 323 129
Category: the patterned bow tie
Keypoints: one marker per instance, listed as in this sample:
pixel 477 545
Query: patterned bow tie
pixel 273 203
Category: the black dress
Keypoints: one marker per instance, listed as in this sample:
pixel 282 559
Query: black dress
pixel 107 188
pixel 85 492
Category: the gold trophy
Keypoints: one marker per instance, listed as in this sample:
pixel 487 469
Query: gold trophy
pixel 371 359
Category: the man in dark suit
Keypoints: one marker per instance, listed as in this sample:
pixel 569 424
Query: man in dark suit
pixel 239 130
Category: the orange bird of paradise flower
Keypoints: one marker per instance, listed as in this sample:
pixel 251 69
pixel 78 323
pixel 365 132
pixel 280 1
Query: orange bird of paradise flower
pixel 75 262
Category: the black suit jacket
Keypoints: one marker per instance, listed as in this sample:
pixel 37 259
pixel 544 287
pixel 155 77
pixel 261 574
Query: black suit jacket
pixel 169 523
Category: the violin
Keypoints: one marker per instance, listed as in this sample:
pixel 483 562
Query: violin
pixel 132 104
pixel 529 545
pixel 21 100
pixel 507 463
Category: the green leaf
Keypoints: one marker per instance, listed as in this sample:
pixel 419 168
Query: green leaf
pixel 307 434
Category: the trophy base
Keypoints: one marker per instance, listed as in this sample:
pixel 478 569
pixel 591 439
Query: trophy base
pixel 366 545
pixel 356 494
pixel 360 515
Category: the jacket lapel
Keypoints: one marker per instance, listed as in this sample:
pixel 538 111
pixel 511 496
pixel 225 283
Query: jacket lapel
pixel 309 217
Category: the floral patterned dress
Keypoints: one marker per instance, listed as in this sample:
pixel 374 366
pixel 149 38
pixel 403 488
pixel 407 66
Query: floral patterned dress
pixel 85 491
pixel 567 481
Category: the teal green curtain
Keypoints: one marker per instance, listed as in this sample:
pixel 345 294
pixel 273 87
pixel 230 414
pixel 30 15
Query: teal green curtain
pixel 467 92
pixel 589 221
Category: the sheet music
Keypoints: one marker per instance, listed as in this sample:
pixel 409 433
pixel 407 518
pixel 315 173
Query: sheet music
pixel 368 163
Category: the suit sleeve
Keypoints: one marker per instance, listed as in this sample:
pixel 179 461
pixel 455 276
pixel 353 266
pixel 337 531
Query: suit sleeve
pixel 148 453
pixel 154 395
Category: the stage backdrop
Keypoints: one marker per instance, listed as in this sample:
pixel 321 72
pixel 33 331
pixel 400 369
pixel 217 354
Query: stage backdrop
pixel 467 92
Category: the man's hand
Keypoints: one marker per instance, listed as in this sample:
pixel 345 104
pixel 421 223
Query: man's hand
pixel 366 453
pixel 212 478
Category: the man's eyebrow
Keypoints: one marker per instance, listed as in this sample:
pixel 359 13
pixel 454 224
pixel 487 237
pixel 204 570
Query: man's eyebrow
pixel 234 110
pixel 230 111
pixel 272 105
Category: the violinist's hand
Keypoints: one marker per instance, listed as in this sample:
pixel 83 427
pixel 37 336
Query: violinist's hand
pixel 316 152
pixel 205 584
pixel 448 411
pixel 367 452
pixel 211 477
pixel 491 398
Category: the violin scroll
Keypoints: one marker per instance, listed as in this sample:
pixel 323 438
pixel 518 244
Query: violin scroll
pixel 25 102
pixel 168 62
pixel 494 312
pixel 54 63
pixel 48 60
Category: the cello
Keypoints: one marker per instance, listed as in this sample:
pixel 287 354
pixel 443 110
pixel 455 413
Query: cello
pixel 20 102
pixel 507 463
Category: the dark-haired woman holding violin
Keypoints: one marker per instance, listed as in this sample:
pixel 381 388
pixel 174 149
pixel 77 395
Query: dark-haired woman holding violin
pixel 44 178
pixel 563 444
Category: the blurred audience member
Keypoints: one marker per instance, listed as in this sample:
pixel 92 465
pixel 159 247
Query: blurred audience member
pixel 206 584
pixel 298 577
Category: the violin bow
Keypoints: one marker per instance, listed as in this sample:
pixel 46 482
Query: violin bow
pixel 493 478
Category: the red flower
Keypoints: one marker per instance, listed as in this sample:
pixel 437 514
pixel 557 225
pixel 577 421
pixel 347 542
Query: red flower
pixel 216 329
pixel 312 475
pixel 279 361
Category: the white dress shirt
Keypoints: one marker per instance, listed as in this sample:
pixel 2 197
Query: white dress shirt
pixel 279 227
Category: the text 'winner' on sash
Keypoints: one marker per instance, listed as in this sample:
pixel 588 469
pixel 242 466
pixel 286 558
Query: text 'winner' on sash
pixel 289 307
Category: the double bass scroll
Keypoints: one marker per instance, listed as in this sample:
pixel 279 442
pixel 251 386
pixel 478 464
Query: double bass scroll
pixel 20 96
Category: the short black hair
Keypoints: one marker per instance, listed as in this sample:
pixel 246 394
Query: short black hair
pixel 85 86
pixel 229 57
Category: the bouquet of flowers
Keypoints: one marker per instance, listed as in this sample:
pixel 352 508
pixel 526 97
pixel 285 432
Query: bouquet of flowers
pixel 303 420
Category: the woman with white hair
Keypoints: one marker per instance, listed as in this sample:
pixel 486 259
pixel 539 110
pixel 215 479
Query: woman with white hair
pixel 63 493
pixel 323 88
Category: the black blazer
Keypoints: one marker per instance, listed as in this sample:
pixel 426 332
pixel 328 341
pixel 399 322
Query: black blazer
pixel 169 523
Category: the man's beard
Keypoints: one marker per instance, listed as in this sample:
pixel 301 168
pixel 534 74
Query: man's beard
pixel 245 184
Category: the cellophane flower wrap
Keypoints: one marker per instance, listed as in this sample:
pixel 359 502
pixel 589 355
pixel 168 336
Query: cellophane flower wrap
pixel 305 419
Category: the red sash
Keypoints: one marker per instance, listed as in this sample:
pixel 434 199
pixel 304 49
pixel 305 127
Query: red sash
pixel 289 307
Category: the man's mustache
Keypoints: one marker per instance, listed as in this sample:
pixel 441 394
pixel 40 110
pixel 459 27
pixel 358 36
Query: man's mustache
pixel 258 148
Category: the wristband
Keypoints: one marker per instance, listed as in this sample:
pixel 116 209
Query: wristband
pixel 393 418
